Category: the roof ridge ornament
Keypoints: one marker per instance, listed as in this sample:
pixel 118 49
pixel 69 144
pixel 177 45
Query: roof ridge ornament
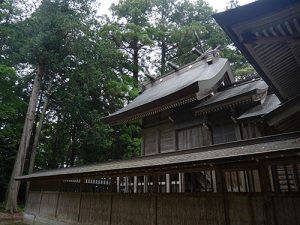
pixel 211 54
pixel 208 54
pixel 147 74
pixel 172 65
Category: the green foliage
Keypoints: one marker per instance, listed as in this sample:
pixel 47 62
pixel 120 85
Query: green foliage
pixel 20 209
pixel 88 84
pixel 131 31
pixel 240 66
pixel 12 109
pixel 127 143
pixel 94 67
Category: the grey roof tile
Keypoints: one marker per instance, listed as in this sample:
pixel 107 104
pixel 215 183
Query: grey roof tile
pixel 271 103
pixel 233 92
pixel 198 72
pixel 210 153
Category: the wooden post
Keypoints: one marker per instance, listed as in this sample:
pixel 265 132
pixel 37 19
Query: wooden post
pixel 40 201
pixel 135 183
pixel 221 188
pixel 155 188
pixel 58 197
pixel 157 141
pixel 110 208
pixel 168 183
pixel 79 207
pixel 142 143
pixel 268 201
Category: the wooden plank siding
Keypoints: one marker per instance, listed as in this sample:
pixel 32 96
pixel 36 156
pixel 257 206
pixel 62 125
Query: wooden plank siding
pixel 68 206
pixel 193 137
pixel 33 202
pixel 168 137
pixel 287 209
pixel 165 209
pixel 49 199
pixel 133 209
pixel 191 209
pixel 158 139
pixel 232 202
pixel 95 208
pixel 251 130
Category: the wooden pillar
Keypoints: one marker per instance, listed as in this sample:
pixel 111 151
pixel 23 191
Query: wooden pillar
pixel 145 184
pixel 126 184
pixel 142 143
pixel 58 196
pixel 40 201
pixel 80 200
pixel 266 190
pixel 157 141
pixel 155 188
pixel 221 188
pixel 135 184
pixel 181 182
pixel 168 183
pixel 117 181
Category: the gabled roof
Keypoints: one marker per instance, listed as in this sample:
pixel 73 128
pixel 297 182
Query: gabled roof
pixel 286 115
pixel 267 33
pixel 243 92
pixel 192 82
pixel 271 103
pixel 210 154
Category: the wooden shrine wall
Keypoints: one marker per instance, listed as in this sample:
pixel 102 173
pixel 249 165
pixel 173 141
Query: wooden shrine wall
pixel 249 194
pixel 163 209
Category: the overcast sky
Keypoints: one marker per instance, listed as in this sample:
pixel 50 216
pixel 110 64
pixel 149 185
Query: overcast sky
pixel 218 5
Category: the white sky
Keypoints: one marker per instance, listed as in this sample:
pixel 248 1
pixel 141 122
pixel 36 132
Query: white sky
pixel 218 5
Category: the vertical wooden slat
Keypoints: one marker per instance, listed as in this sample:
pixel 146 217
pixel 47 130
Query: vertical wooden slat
pixel 267 199
pixel 222 188
pixel 157 146
pixel 110 208
pixel 40 201
pixel 297 177
pixel 80 200
pixel 238 181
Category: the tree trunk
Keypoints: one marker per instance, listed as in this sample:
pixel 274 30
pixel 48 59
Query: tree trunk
pixel 36 121
pixel 38 130
pixel 13 190
pixel 163 58
pixel 136 61
pixel 72 147
pixel 163 41
pixel 38 134
pixel 136 65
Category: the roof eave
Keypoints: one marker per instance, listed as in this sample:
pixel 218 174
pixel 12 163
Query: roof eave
pixel 213 154
pixel 247 97
pixel 228 18
pixel 284 111
pixel 183 96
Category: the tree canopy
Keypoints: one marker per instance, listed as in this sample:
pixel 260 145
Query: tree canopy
pixel 85 68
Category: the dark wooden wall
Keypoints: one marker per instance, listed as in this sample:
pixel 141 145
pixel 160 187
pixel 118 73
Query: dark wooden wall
pixel 166 209
pixel 168 136
pixel 271 201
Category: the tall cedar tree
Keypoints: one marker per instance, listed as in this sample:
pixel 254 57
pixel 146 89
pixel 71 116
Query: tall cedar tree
pixel 46 36
pixel 131 30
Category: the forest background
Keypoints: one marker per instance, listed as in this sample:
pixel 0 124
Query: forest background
pixel 89 66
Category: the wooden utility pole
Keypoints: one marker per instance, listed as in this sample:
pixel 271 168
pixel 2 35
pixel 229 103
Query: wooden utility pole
pixel 13 190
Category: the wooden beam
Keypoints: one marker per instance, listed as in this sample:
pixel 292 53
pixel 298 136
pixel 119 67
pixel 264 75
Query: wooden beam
pixel 272 40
